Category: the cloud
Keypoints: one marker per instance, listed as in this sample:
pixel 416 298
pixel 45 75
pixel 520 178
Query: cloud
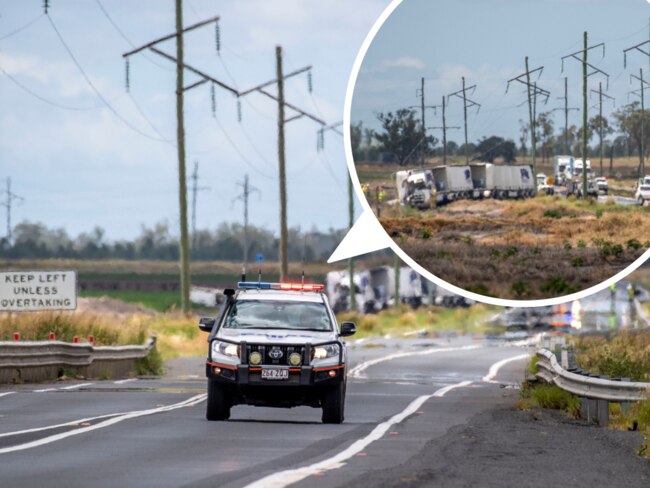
pixel 403 62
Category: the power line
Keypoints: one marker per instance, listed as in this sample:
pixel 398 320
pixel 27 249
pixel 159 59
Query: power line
pixel 46 100
pixel 21 28
pixel 94 89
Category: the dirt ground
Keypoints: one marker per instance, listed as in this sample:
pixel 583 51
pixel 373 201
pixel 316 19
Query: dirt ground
pixel 530 249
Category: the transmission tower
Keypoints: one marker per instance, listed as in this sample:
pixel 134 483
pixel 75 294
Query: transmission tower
pixel 566 110
pixel 462 93
pixel 10 198
pixel 444 128
pixel 585 76
pixel 247 189
pixel 533 91
pixel 600 118
pixel 640 94
pixel 195 189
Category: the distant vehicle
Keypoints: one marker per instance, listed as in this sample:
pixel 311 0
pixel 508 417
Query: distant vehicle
pixel 276 345
pixel 562 167
pixel 543 185
pixel 415 188
pixel 602 185
pixel 452 183
pixel 642 194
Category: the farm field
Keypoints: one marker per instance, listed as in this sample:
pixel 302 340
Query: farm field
pixel 522 249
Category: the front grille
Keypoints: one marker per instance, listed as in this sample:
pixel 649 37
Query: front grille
pixel 276 354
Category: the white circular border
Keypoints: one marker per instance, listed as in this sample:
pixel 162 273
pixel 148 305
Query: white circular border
pixel 393 245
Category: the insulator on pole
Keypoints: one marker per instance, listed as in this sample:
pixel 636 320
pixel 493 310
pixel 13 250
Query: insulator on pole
pixel 239 110
pixel 127 75
pixel 46 6
pixel 217 37
pixel 213 100
pixel 310 83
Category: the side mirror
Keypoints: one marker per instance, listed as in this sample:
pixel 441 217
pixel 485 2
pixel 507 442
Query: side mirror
pixel 206 324
pixel 348 329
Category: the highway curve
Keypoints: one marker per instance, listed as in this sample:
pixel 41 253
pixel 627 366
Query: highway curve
pixel 404 398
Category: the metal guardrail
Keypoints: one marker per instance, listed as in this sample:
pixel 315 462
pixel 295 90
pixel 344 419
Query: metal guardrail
pixel 22 356
pixel 611 390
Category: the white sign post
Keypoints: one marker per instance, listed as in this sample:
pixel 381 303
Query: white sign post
pixel 31 291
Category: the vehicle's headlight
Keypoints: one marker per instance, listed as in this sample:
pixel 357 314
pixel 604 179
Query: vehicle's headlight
pixel 326 351
pixel 225 351
pixel 326 355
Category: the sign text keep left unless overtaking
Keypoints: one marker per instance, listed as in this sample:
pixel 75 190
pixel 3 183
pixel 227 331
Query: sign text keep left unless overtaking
pixel 22 291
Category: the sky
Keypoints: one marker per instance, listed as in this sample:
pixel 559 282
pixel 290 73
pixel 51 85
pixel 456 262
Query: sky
pixel 83 152
pixel 487 42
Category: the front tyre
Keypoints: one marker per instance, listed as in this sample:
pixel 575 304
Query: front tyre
pixel 334 404
pixel 218 402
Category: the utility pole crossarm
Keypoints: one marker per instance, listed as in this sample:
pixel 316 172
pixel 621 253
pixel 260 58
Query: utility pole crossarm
pixel 293 107
pixel 170 36
pixel 274 81
pixel 638 48
pixel 196 71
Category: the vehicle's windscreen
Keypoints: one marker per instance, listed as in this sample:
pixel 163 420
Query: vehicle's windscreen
pixel 265 314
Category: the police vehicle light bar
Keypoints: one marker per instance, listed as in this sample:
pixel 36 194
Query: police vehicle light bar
pixel 257 285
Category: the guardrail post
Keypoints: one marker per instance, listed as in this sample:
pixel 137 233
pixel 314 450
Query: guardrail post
pixel 564 359
pixel 603 412
pixel 572 358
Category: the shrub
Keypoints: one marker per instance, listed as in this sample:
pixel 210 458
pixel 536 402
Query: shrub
pixel 553 214
pixel 550 396
pixel 426 234
pixel 634 244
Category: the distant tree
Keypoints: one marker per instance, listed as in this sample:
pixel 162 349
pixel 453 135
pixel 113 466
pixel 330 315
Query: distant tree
pixel 403 136
pixel 509 151
pixel 490 148
pixel 544 126
pixel 523 137
pixel 628 120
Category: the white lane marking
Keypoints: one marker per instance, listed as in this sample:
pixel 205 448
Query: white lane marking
pixel 285 478
pixel 111 421
pixel 360 368
pixel 71 387
pixel 74 387
pixel 121 382
pixel 494 369
pixel 288 477
pixel 7 393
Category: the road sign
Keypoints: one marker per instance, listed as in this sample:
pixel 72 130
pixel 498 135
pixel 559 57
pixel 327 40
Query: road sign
pixel 28 291
pixel 259 257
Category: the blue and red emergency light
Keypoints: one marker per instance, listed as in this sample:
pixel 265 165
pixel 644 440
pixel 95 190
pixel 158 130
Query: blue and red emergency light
pixel 257 285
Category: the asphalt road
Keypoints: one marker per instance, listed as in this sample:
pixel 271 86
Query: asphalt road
pixel 402 396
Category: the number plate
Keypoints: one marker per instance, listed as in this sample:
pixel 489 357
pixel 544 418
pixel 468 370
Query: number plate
pixel 275 374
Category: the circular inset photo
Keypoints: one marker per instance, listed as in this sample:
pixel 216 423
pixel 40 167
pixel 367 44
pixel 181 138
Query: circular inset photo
pixel 503 145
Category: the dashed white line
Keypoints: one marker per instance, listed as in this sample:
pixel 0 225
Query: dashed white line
pixel 494 369
pixel 71 387
pixel 74 387
pixel 111 421
pixel 360 368
pixel 288 477
pixel 7 393
pixel 121 382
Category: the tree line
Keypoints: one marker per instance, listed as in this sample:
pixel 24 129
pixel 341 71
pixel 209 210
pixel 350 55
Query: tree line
pixel 33 240
pixel 402 139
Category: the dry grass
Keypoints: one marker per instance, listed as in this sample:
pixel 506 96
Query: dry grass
pixel 527 249
pixel 626 354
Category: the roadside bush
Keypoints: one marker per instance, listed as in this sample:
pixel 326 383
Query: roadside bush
pixel 550 396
